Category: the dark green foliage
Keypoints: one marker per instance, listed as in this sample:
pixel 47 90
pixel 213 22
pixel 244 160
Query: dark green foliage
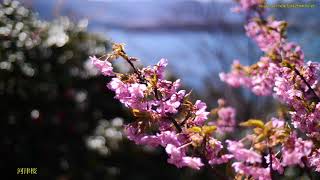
pixel 49 100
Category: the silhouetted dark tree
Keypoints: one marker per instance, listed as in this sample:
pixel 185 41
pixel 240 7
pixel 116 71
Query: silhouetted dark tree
pixel 50 98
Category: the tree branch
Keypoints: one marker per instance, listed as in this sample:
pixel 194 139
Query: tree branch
pixel 305 81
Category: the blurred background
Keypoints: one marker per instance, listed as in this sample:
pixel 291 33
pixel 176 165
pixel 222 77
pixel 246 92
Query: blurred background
pixel 58 116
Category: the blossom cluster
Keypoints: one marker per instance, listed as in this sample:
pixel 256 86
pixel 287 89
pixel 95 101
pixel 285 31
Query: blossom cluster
pixel 165 116
pixel 283 72
pixel 245 5
pixel 268 137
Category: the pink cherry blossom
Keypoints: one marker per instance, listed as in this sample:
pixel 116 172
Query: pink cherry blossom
pixel 164 116
pixel 267 36
pixel 178 158
pixel 257 173
pixel 213 149
pixel 105 67
pixel 294 150
pixel 241 154
pixel 315 160
pixel 246 5
pixel 226 120
pixel 160 68
pixel 192 162
pixel 235 78
pixel 200 112
pixel 276 164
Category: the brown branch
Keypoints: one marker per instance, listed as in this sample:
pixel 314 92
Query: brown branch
pixel 185 119
pixel 306 168
pixel 143 80
pixel 176 125
pixel 270 159
pixel 135 69
pixel 205 161
pixel 301 76
pixel 305 81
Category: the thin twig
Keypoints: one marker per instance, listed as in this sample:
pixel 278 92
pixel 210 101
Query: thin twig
pixel 308 171
pixel 205 161
pixel 125 57
pixel 142 79
pixel 270 159
pixel 185 119
pixel 305 81
pixel 179 129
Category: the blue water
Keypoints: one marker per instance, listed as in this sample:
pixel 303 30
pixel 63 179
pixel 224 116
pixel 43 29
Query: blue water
pixel 176 30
